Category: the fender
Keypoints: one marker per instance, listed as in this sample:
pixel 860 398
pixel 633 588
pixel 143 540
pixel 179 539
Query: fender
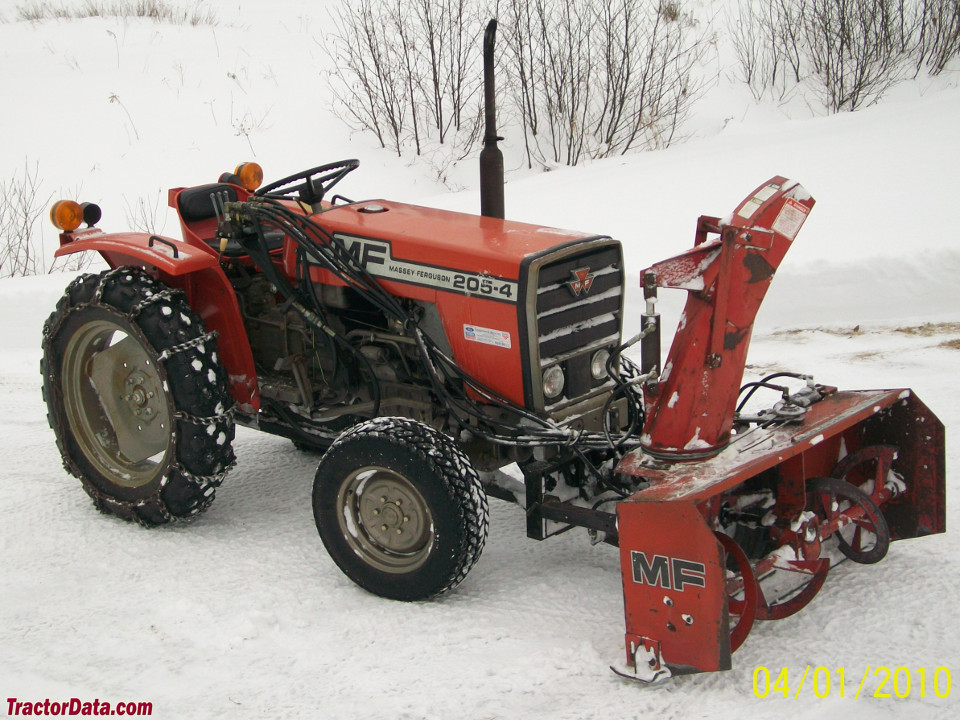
pixel 197 272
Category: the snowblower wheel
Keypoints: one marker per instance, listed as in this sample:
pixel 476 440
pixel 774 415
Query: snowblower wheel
pixel 137 397
pixel 864 536
pixel 400 509
pixel 742 591
pixel 813 574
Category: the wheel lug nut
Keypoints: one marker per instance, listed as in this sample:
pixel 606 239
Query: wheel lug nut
pixel 383 527
pixel 148 412
pixel 150 394
pixel 397 502
pixel 399 531
pixel 127 397
pixel 376 511
pixel 406 518
pixel 383 500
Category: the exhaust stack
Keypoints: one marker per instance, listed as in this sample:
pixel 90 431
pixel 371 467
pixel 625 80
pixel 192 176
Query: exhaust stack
pixel 491 159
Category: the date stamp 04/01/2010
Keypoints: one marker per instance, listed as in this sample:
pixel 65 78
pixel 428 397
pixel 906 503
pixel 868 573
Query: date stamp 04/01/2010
pixel 884 682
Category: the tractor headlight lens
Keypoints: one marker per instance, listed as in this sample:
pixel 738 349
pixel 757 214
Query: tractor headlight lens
pixel 598 364
pixel 553 381
pixel 66 215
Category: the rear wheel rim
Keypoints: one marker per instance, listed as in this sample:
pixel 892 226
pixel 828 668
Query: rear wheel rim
pixel 116 403
pixel 385 520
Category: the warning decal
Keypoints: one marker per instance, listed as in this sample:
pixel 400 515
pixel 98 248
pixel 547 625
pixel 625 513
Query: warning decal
pixel 761 196
pixel 790 219
pixel 487 336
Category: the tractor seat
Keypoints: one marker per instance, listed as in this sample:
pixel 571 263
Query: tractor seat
pixel 199 217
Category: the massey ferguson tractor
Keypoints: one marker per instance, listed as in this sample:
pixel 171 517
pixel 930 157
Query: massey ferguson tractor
pixel 424 351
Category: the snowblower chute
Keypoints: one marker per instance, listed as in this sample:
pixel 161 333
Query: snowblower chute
pixel 741 515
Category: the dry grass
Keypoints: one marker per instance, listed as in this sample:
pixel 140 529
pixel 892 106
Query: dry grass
pixel 869 355
pixel 157 10
pixel 929 329
pixel 837 332
pixel 921 334
pixel 924 330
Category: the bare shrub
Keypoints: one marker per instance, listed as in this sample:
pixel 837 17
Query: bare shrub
pixel 20 208
pixel 22 204
pixel 594 79
pixel 146 214
pixel 408 72
pixel 851 51
pixel 744 31
pixel 856 48
pixel 584 79
pixel 939 36
pixel 366 84
pixel 552 54
pixel 766 38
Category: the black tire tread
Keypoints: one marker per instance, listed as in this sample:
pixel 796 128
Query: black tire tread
pixel 203 428
pixel 460 480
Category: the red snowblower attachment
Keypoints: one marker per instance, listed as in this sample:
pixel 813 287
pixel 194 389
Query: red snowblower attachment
pixel 741 514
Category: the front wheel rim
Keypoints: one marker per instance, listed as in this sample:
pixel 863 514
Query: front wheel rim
pixel 385 520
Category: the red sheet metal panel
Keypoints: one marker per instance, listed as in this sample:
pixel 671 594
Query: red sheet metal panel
pixel 755 451
pixel 674 591
pixel 690 413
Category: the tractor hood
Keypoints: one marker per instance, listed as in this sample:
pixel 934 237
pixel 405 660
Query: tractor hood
pixel 444 239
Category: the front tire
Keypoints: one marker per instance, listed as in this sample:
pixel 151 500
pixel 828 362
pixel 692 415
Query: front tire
pixel 136 397
pixel 400 509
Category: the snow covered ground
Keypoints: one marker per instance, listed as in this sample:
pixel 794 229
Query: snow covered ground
pixel 242 614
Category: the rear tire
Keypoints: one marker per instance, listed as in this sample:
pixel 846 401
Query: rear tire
pixel 400 509
pixel 137 397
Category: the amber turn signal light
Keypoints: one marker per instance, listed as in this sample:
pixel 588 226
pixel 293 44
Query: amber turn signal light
pixel 250 174
pixel 66 215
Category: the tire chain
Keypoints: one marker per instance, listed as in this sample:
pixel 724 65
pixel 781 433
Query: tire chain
pixel 146 510
pixel 439 449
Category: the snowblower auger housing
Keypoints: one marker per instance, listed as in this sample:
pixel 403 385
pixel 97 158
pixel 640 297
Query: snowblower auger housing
pixel 687 607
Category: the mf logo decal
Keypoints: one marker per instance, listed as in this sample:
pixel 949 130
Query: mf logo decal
pixel 668 573
pixel 581 283
pixel 368 253
pixel 376 257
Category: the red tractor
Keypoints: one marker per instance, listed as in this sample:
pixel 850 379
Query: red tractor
pixel 423 351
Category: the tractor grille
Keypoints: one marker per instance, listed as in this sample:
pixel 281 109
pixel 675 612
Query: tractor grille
pixel 579 310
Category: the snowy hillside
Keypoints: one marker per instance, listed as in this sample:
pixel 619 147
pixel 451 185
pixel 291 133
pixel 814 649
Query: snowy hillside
pixel 241 613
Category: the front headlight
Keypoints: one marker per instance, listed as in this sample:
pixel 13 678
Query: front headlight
pixel 598 364
pixel 553 381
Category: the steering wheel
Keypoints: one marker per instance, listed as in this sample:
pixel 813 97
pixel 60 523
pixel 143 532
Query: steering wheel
pixel 311 185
